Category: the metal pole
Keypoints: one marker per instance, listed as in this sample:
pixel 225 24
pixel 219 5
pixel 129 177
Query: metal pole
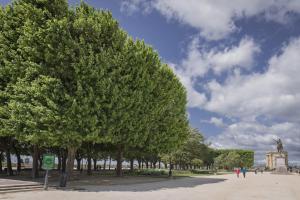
pixel 46 181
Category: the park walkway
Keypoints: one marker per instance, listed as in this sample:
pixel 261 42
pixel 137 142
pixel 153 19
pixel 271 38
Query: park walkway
pixel 223 187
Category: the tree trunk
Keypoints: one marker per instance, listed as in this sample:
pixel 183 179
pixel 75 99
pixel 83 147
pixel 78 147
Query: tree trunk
pixel 170 169
pixel 89 165
pixel 70 162
pixel 147 165
pixel 35 164
pixel 78 160
pixel 104 165
pixel 8 163
pixel 159 164
pixel 18 158
pixel 59 161
pixel 63 163
pixel 154 164
pixel 119 160
pixel 1 156
pixel 109 163
pixel 95 164
pixel 18 161
pixel 40 162
pixel 139 162
pixel 131 165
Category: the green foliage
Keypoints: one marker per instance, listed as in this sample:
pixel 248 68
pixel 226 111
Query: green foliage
pixel 72 77
pixel 197 171
pixel 197 162
pixel 229 158
pixel 151 172
pixel 192 153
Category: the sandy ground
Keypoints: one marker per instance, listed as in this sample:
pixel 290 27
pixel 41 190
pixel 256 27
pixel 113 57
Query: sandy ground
pixel 222 187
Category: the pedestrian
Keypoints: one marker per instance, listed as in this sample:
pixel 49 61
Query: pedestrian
pixel 244 170
pixel 255 171
pixel 237 171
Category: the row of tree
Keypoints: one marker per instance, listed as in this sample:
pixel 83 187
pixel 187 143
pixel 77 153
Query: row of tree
pixel 230 158
pixel 72 80
pixel 193 153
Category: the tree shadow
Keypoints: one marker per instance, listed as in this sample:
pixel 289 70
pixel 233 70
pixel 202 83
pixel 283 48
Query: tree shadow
pixel 189 182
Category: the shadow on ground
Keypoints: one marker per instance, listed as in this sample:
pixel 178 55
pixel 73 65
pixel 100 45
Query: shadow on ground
pixel 152 186
pixel 97 183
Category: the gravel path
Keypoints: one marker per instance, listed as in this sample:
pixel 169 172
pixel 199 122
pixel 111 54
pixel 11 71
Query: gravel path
pixel 223 187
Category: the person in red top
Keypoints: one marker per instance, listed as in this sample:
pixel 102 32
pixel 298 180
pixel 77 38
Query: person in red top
pixel 237 171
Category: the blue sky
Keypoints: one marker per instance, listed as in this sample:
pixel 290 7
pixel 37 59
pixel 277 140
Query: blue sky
pixel 238 60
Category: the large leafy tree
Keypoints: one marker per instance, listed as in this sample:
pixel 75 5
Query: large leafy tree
pixel 55 48
pixel 71 77
pixel 147 105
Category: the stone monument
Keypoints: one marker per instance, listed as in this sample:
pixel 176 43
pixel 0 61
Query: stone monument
pixel 277 161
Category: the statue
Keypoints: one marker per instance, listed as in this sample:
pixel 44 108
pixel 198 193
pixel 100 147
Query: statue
pixel 277 160
pixel 279 145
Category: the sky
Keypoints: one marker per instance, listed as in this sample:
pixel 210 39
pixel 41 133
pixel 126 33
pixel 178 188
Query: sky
pixel 239 61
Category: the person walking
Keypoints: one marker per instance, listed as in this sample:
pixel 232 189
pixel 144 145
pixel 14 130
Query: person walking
pixel 244 170
pixel 237 171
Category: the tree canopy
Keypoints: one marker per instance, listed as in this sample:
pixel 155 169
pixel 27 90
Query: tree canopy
pixel 230 158
pixel 72 76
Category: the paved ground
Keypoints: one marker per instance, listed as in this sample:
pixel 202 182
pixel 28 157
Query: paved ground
pixel 223 187
pixel 7 182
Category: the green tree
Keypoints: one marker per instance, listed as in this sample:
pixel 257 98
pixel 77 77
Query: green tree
pixel 71 77
pixel 197 163
pixel 246 156
pixel 233 159
pixel 72 49
pixel 219 161
pixel 147 104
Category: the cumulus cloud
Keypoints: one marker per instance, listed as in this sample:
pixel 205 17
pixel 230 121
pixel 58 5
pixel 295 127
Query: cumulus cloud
pixel 259 137
pixel 237 56
pixel 200 61
pixel 215 121
pixel 132 6
pixel 216 19
pixel 275 93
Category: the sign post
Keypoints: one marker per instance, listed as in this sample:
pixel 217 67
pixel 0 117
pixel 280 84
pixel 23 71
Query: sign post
pixel 48 164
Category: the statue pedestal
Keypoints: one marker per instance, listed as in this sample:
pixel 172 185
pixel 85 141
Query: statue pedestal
pixel 281 170
pixel 277 161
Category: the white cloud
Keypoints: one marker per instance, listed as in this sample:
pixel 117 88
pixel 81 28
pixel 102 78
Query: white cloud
pixel 241 55
pixel 275 93
pixel 199 62
pixel 132 6
pixel 215 19
pixel 217 122
pixel 272 95
pixel 259 137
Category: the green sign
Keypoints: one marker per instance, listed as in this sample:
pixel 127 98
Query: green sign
pixel 48 161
